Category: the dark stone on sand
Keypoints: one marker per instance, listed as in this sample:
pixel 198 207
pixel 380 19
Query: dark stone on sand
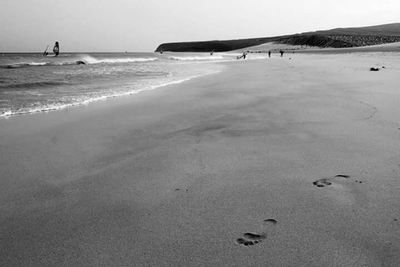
pixel 374 69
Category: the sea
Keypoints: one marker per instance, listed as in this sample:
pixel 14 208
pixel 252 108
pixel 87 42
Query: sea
pixel 31 82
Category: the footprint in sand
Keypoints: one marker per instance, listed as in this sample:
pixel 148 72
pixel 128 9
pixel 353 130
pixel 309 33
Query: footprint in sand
pixel 270 221
pixel 251 239
pixel 327 181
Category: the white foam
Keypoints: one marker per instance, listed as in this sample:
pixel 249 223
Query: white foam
pixel 24 64
pixel 196 58
pixel 37 63
pixel 229 54
pixel 92 60
pixel 254 56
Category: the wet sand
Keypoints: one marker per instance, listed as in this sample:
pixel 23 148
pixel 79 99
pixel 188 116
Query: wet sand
pixel 274 162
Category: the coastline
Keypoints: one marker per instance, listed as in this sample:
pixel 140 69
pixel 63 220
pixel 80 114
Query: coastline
pixel 175 176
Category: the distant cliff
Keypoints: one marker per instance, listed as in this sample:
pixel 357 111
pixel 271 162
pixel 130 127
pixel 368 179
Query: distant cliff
pixel 208 46
pixel 337 38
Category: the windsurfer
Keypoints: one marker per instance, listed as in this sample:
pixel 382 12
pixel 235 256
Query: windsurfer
pixel 56 49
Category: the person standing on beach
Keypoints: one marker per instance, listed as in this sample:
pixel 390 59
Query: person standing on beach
pixel 281 51
pixel 269 53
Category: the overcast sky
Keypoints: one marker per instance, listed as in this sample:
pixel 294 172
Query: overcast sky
pixel 140 25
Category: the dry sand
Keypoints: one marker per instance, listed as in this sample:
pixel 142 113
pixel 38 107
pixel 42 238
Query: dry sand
pixel 274 162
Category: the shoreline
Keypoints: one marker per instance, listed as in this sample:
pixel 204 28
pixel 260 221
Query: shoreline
pixel 187 173
pixel 289 53
pixel 9 115
pixel 46 102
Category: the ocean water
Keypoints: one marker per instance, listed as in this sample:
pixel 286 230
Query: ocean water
pixel 31 83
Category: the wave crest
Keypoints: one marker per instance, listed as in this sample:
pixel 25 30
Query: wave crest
pixel 83 60
pixel 196 58
pixel 92 60
pixel 33 85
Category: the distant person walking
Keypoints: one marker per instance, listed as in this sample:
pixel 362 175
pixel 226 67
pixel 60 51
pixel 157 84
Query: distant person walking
pixel 242 56
pixel 269 53
pixel 281 51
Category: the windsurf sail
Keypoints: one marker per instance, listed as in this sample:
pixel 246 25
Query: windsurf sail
pixel 45 53
pixel 56 49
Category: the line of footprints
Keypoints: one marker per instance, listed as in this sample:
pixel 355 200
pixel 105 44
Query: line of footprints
pixel 251 239
pixel 328 181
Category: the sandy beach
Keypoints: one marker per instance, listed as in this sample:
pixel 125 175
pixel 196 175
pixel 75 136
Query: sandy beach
pixel 290 161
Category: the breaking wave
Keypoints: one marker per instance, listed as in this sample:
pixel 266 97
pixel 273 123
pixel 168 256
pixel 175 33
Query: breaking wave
pixel 92 60
pixel 81 61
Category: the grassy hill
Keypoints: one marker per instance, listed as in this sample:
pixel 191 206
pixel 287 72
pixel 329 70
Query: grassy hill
pixel 336 38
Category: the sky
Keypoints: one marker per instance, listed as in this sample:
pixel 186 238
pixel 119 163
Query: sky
pixel 141 25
